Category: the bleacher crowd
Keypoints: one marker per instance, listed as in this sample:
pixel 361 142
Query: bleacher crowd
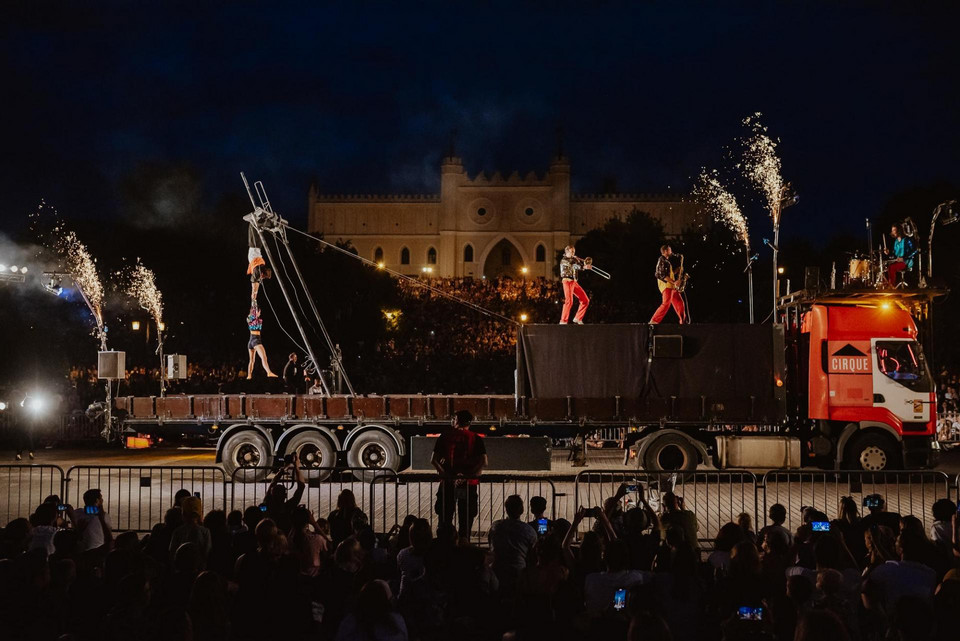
pixel 620 571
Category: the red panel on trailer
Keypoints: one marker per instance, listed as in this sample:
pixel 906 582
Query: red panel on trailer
pixel 397 406
pixel 174 407
pixel 269 406
pixel 310 406
pixel 369 406
pixel 476 405
pixel 337 407
pixel 208 406
pixel 123 403
pixel 441 406
pixel 234 405
pixel 504 406
pixel 143 407
pixel 548 409
pixel 595 408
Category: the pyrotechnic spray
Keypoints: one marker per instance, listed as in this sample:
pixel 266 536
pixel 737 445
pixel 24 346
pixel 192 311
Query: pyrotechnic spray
pixel 142 286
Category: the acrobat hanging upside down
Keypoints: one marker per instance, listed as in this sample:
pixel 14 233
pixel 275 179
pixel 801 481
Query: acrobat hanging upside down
pixel 256 265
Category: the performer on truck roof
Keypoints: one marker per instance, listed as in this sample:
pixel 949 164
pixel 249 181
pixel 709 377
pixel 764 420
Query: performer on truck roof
pixel 667 282
pixel 255 345
pixel 903 252
pixel 569 267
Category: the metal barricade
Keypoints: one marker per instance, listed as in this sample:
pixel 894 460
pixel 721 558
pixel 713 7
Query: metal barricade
pixel 24 487
pixel 79 427
pixel 906 492
pixel 393 497
pixel 716 498
pixel 323 487
pixel 136 497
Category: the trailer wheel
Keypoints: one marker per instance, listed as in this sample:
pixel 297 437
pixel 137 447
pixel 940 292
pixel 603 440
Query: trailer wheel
pixel 669 453
pixel 247 449
pixel 872 452
pixel 375 451
pixel 315 453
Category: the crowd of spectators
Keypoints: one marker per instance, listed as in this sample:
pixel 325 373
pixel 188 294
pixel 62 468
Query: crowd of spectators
pixel 278 571
pixel 948 405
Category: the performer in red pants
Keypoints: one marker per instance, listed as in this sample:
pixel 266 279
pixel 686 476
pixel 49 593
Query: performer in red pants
pixel 569 267
pixel 667 282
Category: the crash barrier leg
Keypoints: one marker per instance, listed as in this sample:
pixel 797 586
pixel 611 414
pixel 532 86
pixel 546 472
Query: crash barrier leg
pixel 24 487
pixel 905 492
pixel 393 497
pixel 136 497
pixel 716 498
pixel 323 487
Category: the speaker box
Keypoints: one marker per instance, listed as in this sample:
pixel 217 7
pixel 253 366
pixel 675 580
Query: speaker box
pixel 668 346
pixel 176 366
pixel 811 279
pixel 112 365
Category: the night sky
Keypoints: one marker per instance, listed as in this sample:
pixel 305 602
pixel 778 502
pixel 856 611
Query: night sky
pixel 148 111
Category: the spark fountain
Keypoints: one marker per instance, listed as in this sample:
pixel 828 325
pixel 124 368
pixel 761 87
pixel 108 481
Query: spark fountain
pixel 762 168
pixel 142 286
pixel 725 209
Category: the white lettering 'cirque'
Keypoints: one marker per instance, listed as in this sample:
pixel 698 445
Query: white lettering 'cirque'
pixel 850 364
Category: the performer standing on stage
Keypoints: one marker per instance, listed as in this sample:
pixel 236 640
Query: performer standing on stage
pixel 903 252
pixel 666 281
pixel 569 266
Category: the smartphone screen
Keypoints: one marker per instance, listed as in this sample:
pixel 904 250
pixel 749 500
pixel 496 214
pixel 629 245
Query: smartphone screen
pixel 632 488
pixel 620 599
pixel 196 494
pixel 61 507
pixel 821 526
pixel 263 508
pixel 747 613
pixel 541 526
pixel 92 509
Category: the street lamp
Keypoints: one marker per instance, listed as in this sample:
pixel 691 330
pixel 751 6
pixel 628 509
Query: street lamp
pixel 523 318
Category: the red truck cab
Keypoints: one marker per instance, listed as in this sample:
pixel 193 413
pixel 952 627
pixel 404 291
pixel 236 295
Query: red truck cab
pixel 869 390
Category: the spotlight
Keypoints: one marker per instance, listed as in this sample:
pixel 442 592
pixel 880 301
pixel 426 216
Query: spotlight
pixel 523 318
pixel 3 406
pixel 14 269
pixel 36 405
pixel 780 270
pixel 53 285
pixel 3 268
pixel 23 270
pixel 135 326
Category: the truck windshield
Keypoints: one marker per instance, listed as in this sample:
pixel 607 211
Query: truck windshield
pixel 903 362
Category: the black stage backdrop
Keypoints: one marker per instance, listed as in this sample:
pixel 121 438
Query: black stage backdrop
pixel 602 361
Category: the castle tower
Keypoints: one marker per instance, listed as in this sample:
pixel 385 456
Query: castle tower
pixel 452 176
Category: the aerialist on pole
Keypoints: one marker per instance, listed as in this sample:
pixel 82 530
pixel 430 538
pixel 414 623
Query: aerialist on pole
pixel 256 266
pixel 255 345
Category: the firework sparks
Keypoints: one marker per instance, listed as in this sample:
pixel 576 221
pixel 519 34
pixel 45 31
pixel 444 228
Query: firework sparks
pixel 143 287
pixel 762 165
pixel 723 205
pixel 82 269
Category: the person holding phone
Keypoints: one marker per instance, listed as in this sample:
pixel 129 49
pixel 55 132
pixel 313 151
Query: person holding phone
pixel 93 528
pixel 540 523
pixel 279 506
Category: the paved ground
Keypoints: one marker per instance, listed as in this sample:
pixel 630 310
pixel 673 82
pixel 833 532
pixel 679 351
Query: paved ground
pixel 139 486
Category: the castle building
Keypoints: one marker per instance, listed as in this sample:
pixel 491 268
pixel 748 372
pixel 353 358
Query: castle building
pixel 482 227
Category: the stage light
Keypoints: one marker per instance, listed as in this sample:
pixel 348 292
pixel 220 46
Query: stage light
pixel 14 269
pixel 135 326
pixel 523 318
pixel 3 406
pixel 23 270
pixel 35 404
pixel 162 326
pixel 3 268
pixel 780 270
pixel 380 265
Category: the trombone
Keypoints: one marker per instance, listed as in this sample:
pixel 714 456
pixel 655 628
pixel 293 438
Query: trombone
pixel 596 270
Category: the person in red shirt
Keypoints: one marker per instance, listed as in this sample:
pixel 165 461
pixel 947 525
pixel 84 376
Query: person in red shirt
pixel 459 457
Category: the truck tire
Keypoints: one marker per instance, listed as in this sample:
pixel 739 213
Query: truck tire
pixel 316 453
pixel 375 451
pixel 246 449
pixel 872 452
pixel 670 453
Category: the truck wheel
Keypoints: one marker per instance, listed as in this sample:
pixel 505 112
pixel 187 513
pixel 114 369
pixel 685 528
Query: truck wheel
pixel 375 451
pixel 315 452
pixel 872 452
pixel 670 452
pixel 247 449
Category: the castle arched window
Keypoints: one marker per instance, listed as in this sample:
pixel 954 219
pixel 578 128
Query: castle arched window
pixel 378 255
pixel 431 256
pixel 404 256
pixel 541 254
pixel 468 254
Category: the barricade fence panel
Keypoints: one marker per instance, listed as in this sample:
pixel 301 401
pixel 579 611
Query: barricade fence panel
pixel 24 487
pixel 904 492
pixel 715 498
pixel 323 486
pixel 137 497
pixel 469 508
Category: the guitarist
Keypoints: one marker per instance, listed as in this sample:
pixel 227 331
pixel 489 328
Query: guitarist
pixel 670 285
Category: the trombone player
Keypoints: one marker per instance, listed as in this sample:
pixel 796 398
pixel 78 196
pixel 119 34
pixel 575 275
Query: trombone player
pixel 570 266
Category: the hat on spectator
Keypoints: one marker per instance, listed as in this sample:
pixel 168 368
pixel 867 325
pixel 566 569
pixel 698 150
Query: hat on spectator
pixel 192 504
